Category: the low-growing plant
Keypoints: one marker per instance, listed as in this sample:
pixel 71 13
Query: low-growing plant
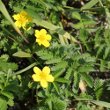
pixel 54 55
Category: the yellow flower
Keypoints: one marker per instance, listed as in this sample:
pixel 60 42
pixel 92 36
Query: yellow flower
pixel 22 19
pixel 43 76
pixel 42 38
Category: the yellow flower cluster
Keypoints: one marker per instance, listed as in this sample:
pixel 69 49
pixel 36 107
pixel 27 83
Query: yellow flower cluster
pixel 22 19
pixel 43 76
pixel 42 38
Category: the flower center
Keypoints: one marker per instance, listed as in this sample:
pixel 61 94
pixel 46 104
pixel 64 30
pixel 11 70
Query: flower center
pixel 43 76
pixel 22 19
pixel 42 37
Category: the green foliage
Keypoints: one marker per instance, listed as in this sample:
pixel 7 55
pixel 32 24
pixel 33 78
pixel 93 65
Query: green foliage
pixel 79 51
pixel 59 104
pixel 5 66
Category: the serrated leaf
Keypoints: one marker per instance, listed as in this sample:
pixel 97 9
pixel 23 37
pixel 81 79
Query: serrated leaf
pixel 62 80
pixel 5 66
pixel 60 65
pixel 98 87
pixel 88 79
pixel 59 104
pixel 7 94
pixel 76 82
pixel 85 68
pixel 53 61
pixel 68 73
pixel 22 54
pixel 59 72
pixel 45 55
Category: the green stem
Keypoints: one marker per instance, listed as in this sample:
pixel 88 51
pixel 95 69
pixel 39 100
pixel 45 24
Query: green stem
pixel 25 69
pixel 101 3
pixel 12 36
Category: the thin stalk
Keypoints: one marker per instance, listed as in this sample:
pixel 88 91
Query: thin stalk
pixel 12 38
pixel 101 3
pixel 25 69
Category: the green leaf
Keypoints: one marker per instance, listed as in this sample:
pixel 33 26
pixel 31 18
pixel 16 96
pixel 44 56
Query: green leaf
pixel 88 79
pixel 90 4
pixel 10 102
pixel 59 72
pixel 107 51
pixel 43 3
pixel 59 104
pixel 101 103
pixel 7 94
pixel 3 104
pixel 45 55
pixel 98 88
pixel 60 65
pixel 56 87
pixel 49 102
pixel 22 54
pixel 76 82
pixel 5 66
pixel 62 80
pixel 45 24
pixel 69 73
pixel 85 68
pixel 102 65
pixel 76 15
pixel 52 61
pixel 100 49
pixel 79 25
pixel 82 24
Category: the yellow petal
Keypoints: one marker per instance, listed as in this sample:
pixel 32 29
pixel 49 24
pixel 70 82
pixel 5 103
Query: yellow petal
pixel 36 70
pixel 46 70
pixel 50 78
pixel 43 32
pixel 48 37
pixel 37 33
pixel 24 24
pixel 36 77
pixel 44 84
pixel 18 24
pixel 38 41
pixel 16 17
pixel 46 43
